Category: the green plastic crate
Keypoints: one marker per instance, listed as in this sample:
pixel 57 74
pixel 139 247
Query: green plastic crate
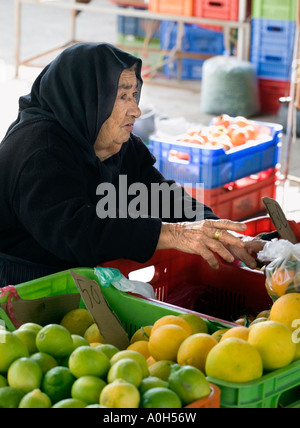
pixel 280 388
pixel 133 312
pixel 285 10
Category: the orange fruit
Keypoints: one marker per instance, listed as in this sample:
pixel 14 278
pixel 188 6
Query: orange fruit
pixel 239 332
pixel 140 346
pixel 142 333
pixel 193 351
pixel 280 281
pixel 234 360
pixel 287 310
pixel 150 361
pixel 273 340
pixel 173 320
pixel 165 341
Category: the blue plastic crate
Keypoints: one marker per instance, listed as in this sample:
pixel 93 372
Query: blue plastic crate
pixel 272 47
pixel 195 38
pixel 191 69
pixel 130 25
pixel 215 167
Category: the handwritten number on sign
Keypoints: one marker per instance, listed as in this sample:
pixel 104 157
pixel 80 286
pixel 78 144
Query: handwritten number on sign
pixel 92 292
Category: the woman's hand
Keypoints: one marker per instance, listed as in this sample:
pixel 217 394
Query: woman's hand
pixel 248 254
pixel 205 238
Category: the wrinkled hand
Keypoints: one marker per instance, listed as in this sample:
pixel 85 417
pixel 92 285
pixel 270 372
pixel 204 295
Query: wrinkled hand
pixel 200 238
pixel 248 254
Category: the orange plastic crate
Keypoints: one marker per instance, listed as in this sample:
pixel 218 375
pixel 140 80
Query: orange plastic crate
pixel 172 7
pixel 225 10
pixel 210 402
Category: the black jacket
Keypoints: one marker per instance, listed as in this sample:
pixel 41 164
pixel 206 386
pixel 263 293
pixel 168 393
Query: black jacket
pixel 49 173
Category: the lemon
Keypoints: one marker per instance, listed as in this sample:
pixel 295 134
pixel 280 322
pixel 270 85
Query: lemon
pixel 107 349
pixel 3 381
pixel 139 358
pixel 77 321
pixel 239 332
pixel 193 351
pixel 79 341
pixel 141 346
pixel 219 334
pixel 143 333
pixel 10 397
pixel 171 320
pixel 11 348
pixel 88 389
pixel 55 340
pixel 189 383
pixel 70 403
pixel 45 361
pixel 93 335
pixel 287 310
pixel 28 337
pixel 160 398
pixel 273 340
pixel 57 383
pixel 126 369
pixel 35 399
pixel 87 361
pixel 234 360
pixel 161 369
pixel 120 395
pixel 25 374
pixel 152 382
pixel 197 324
pixel 165 340
pixel 32 326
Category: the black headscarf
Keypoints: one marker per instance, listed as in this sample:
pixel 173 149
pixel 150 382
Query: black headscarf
pixel 78 90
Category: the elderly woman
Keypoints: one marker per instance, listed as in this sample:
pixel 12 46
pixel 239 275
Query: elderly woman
pixel 72 135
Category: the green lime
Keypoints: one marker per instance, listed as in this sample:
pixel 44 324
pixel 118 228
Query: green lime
pixel 3 381
pixel 87 361
pixel 107 349
pixel 57 383
pixel 28 337
pixel 160 398
pixel 31 326
pixel 10 397
pixel 35 399
pixel 45 361
pixel 25 374
pixel 88 389
pixel 69 403
pixel 11 348
pixel 126 369
pixel 55 340
pixel 79 341
pixel 189 383
pixel 152 382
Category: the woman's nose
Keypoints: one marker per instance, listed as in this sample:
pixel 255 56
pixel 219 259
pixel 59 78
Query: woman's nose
pixel 134 110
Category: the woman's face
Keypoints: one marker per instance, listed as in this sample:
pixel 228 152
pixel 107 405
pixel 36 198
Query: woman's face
pixel 117 128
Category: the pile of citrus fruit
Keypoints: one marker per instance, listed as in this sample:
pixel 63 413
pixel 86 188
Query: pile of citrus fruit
pixel 227 132
pixel 166 365
pixel 69 365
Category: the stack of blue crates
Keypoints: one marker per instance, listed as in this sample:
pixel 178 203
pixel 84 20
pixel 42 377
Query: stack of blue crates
pixel 272 49
pixel 196 39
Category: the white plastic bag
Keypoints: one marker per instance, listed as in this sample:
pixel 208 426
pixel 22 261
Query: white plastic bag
pixel 283 270
pixel 110 276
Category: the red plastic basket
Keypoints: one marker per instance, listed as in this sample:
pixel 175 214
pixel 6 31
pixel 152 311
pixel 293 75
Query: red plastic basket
pixel 187 281
pixel 264 225
pixel 241 199
pixel 227 10
pixel 269 92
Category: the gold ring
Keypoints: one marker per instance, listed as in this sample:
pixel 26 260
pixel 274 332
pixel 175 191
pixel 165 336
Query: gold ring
pixel 217 235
